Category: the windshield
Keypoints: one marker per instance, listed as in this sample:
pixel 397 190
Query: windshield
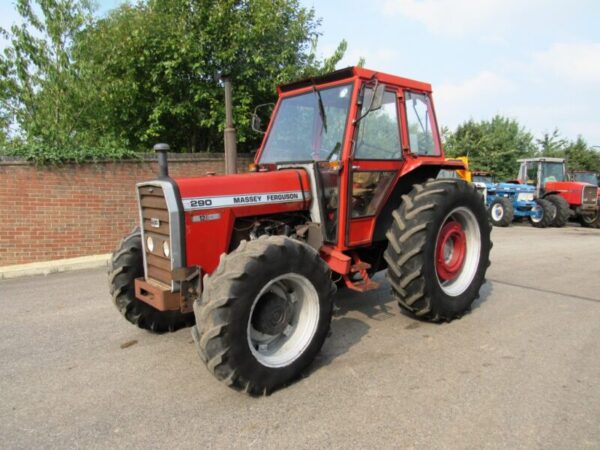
pixel 483 178
pixel 553 172
pixel 298 134
pixel 586 177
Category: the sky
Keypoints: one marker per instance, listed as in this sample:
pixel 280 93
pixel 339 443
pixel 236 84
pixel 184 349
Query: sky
pixel 537 61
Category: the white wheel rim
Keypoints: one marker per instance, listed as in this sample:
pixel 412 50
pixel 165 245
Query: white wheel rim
pixel 470 225
pixel 497 212
pixel 538 214
pixel 283 348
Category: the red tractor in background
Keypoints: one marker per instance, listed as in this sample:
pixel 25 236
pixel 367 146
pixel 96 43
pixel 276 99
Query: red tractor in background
pixel 343 186
pixel 587 176
pixel 571 198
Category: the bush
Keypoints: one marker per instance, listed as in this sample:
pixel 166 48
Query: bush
pixel 44 155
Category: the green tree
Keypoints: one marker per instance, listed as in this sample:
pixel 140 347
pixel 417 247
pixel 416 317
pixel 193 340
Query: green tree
pixel 152 69
pixel 493 145
pixel 39 79
pixel 552 145
pixel 580 156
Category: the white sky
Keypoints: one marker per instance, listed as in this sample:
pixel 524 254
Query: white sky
pixel 534 60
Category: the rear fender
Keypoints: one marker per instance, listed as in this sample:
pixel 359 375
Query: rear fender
pixel 405 183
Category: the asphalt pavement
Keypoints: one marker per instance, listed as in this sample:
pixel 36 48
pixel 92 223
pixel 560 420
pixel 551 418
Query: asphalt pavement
pixel 521 370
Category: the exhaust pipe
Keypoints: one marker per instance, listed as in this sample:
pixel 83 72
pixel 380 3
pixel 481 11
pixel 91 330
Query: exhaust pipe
pixel 162 151
pixel 230 138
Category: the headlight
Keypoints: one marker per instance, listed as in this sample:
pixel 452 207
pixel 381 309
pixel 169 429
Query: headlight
pixel 166 249
pixel 525 196
pixel 150 243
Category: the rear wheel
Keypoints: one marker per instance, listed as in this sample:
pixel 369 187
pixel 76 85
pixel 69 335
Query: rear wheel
pixel 542 215
pixel 501 212
pixel 126 265
pixel 563 210
pixel 265 313
pixel 438 250
pixel 590 221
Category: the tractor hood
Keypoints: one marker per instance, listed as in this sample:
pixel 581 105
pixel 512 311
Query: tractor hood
pixel 516 187
pixel 269 192
pixel 565 186
pixel 213 204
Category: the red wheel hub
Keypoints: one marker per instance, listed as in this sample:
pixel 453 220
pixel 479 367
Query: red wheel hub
pixel 451 250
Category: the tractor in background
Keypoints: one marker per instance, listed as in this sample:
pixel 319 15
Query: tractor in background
pixel 587 176
pixel 572 199
pixel 507 201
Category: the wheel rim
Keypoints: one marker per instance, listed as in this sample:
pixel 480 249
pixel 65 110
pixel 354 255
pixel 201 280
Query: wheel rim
pixel 458 250
pixel 537 214
pixel 497 212
pixel 283 320
pixel 589 219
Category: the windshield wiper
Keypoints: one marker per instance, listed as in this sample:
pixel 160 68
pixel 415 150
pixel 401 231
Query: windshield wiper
pixel 321 107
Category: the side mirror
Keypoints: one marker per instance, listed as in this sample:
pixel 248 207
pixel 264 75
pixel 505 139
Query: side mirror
pixel 377 97
pixel 256 123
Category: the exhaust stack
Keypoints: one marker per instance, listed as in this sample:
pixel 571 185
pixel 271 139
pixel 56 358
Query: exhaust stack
pixel 162 151
pixel 230 139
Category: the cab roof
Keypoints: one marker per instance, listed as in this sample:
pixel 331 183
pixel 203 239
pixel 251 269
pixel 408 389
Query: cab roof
pixel 351 72
pixel 542 159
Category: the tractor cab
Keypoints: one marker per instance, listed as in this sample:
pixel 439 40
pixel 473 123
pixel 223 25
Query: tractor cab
pixel 356 132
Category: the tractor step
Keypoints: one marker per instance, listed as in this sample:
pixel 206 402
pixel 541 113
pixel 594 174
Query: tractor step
pixel 365 283
pixel 360 266
pixel 362 285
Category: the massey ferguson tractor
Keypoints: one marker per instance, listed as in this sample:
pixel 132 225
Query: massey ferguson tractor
pixel 572 199
pixel 343 186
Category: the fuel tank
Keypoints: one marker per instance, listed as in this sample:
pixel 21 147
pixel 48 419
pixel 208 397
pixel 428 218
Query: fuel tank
pixel 211 205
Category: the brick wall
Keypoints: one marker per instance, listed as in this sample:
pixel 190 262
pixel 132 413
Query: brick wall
pixel 75 210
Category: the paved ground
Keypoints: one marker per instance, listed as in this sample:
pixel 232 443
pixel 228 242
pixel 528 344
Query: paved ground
pixel 521 370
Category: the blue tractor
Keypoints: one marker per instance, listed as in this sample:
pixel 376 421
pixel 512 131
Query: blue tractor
pixel 505 201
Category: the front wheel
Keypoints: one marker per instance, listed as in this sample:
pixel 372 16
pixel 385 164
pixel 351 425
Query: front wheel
pixel 264 314
pixel 438 250
pixel 127 264
pixel 501 212
pixel 563 210
pixel 590 221
pixel 542 214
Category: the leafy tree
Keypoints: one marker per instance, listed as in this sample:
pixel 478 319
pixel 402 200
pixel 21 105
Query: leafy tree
pixel 39 82
pixel 581 157
pixel 552 144
pixel 493 145
pixel 153 69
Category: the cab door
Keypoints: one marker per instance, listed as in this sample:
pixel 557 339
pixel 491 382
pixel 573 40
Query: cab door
pixel 376 161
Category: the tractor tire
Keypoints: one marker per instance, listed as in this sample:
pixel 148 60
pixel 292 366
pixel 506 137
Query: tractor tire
pixel 438 249
pixel 548 213
pixel 563 210
pixel 125 266
pixel 592 221
pixel 264 314
pixel 501 212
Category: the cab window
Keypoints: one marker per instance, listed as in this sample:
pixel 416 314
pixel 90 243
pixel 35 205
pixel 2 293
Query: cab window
pixel 378 132
pixel 419 116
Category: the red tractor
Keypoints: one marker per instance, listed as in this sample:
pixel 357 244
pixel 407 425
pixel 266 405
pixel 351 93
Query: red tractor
pixel 571 198
pixel 587 176
pixel 343 186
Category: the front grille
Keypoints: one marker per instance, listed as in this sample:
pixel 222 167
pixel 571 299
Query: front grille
pixel 590 195
pixel 155 224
